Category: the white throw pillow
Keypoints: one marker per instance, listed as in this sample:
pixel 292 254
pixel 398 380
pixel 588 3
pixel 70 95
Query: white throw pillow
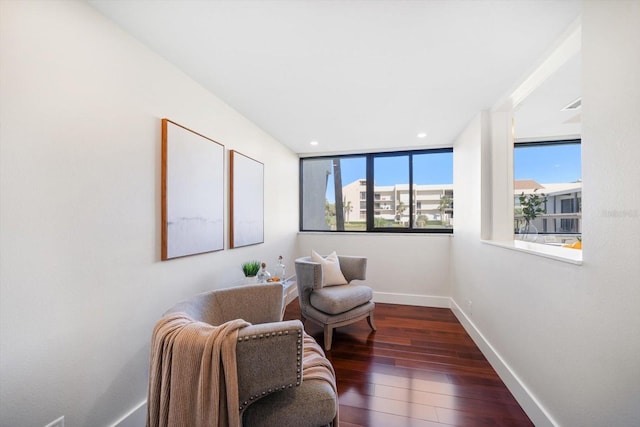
pixel 331 273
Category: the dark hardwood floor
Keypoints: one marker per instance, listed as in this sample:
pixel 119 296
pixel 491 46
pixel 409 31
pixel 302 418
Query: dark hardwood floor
pixel 419 369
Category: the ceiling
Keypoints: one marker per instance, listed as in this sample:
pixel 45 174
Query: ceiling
pixel 542 115
pixel 354 76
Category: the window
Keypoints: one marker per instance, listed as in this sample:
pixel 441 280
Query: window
pixel 548 174
pixel 408 191
pixel 325 179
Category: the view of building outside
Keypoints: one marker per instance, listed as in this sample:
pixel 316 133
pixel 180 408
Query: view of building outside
pixel 334 192
pixel 552 171
pixel 433 205
pixel 340 185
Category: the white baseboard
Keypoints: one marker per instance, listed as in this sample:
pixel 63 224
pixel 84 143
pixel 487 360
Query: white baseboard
pixel 410 299
pixel 137 417
pixel 536 412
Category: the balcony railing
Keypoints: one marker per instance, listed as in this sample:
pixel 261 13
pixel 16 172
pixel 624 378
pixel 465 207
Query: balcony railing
pixel 552 228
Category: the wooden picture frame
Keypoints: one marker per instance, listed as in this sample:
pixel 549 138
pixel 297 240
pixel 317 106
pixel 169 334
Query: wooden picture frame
pixel 246 200
pixel 192 192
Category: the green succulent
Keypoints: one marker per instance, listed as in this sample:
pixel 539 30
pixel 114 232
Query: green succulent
pixel 250 268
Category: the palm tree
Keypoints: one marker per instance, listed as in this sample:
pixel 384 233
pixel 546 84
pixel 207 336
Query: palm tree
pixel 337 187
pixel 445 203
pixel 399 210
pixel 347 207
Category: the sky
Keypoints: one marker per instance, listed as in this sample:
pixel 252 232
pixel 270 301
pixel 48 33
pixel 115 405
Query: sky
pixel 428 169
pixel 548 164
pixel 435 168
pixel 545 164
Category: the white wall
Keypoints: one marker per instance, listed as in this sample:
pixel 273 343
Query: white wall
pixel 81 281
pixel 566 333
pixel 401 268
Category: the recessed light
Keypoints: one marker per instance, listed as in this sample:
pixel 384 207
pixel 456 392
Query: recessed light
pixel 422 135
pixel 314 143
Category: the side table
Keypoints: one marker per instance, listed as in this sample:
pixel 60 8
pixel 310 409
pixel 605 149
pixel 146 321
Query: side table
pixel 289 291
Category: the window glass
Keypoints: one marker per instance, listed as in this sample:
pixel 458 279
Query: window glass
pixel 548 193
pixel 333 194
pixel 433 190
pixel 391 190
pixel 410 191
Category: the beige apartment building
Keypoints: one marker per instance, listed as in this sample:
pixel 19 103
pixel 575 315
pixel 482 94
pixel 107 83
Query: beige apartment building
pixel 431 202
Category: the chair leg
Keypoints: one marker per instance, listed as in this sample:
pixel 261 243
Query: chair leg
pixel 328 335
pixel 370 321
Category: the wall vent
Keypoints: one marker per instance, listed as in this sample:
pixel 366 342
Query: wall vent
pixel 574 105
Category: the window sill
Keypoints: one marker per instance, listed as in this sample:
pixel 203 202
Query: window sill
pixel 571 256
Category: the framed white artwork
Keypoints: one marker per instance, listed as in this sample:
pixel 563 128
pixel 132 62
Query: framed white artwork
pixel 246 199
pixel 192 192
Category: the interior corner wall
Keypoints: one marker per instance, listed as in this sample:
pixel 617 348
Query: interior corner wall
pixel 565 337
pixel 401 268
pixel 81 281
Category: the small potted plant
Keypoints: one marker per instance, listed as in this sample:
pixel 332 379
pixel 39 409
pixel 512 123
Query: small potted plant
pixel 250 268
pixel 531 205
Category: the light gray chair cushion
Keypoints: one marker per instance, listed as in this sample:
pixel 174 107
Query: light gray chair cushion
pixel 312 404
pixel 338 299
pixel 334 306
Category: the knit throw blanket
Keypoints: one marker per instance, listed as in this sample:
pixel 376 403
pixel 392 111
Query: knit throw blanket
pixel 193 378
pixel 316 366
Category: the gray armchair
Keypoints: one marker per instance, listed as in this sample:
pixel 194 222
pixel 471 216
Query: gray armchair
pixel 272 390
pixel 334 306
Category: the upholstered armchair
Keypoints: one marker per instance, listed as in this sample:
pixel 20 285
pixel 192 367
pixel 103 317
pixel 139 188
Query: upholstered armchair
pixel 274 386
pixel 333 305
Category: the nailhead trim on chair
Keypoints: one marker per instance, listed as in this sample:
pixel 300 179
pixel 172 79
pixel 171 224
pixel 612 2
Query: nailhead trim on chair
pixel 244 404
pixel 299 370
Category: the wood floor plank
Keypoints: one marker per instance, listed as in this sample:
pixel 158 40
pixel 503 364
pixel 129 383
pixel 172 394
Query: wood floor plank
pixel 419 369
pixel 353 416
pixel 389 406
pixel 431 383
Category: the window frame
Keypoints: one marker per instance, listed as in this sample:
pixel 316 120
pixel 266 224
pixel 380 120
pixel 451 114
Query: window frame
pixel 370 192
pixel 547 143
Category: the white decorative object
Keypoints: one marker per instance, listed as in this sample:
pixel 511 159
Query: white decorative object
pixel 331 273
